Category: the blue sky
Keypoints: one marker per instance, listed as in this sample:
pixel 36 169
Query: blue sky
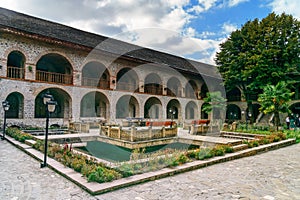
pixel 189 28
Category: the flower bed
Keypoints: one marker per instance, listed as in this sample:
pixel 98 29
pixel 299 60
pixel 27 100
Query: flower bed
pixel 140 162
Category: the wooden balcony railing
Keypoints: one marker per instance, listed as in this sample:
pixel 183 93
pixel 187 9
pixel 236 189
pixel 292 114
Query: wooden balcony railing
pixel 95 82
pixel 153 89
pixel 52 77
pixel 127 87
pixel 15 72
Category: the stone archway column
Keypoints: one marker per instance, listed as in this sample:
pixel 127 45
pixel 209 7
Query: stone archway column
pixel 76 100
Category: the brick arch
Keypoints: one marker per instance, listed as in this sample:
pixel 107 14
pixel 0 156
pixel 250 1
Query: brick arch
pixel 54 68
pixel 86 61
pixel 94 104
pixel 16 48
pixel 37 58
pixel 191 110
pixel 153 84
pixel 174 87
pixel 95 74
pixel 127 106
pixel 16 102
pixel 173 110
pixel 153 108
pixel 191 89
pixel 127 79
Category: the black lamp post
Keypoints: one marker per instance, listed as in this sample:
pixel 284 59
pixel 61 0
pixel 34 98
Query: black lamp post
pixel 172 112
pixel 5 105
pixel 50 107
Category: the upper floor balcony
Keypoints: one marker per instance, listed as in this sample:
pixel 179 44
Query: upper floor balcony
pixel 95 82
pixel 15 72
pixel 52 77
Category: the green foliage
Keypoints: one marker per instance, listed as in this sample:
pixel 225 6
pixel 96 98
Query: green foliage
pixel 204 154
pixel 214 100
pixel 102 175
pixel 274 99
pixel 293 134
pixel 266 49
pixel 18 134
pixel 228 149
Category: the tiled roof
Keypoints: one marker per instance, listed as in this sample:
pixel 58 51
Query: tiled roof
pixel 32 25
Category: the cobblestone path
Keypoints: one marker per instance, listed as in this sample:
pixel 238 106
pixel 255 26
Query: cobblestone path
pixel 271 175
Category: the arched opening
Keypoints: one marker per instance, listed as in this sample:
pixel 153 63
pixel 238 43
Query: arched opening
pixel 295 108
pixel 16 102
pixel 191 110
pixel 63 108
pixel 204 115
pixel 15 65
pixel 153 84
pixel 54 68
pixel 233 113
pixel 173 109
pixel 152 108
pixel 191 90
pixel 174 87
pixel 127 80
pixel 95 74
pixel 203 91
pixel 127 106
pixel 234 95
pixel 94 104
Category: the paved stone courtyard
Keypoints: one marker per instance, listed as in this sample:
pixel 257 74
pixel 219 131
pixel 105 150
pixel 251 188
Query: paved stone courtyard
pixel 272 175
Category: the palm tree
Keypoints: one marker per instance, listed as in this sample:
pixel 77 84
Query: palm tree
pixel 274 99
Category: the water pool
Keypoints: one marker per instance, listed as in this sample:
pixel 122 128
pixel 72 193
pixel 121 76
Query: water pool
pixel 114 153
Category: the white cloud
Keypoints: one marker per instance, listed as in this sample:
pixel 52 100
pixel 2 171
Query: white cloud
pixel 207 4
pixel 228 28
pixel 232 3
pixel 287 6
pixel 168 21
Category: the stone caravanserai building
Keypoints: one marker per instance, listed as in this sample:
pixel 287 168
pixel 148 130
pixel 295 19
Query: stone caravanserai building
pixel 92 77
pixel 95 78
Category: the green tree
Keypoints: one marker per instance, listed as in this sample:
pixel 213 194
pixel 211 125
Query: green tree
pixel 274 99
pixel 214 101
pixel 262 52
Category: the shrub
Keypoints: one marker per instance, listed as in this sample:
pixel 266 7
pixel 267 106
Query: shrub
pixel 54 149
pixel 228 149
pixel 126 170
pixel 192 153
pixel 255 143
pixel 293 134
pixel 18 134
pixel 218 151
pixel 182 159
pixel 102 175
pixel 204 154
